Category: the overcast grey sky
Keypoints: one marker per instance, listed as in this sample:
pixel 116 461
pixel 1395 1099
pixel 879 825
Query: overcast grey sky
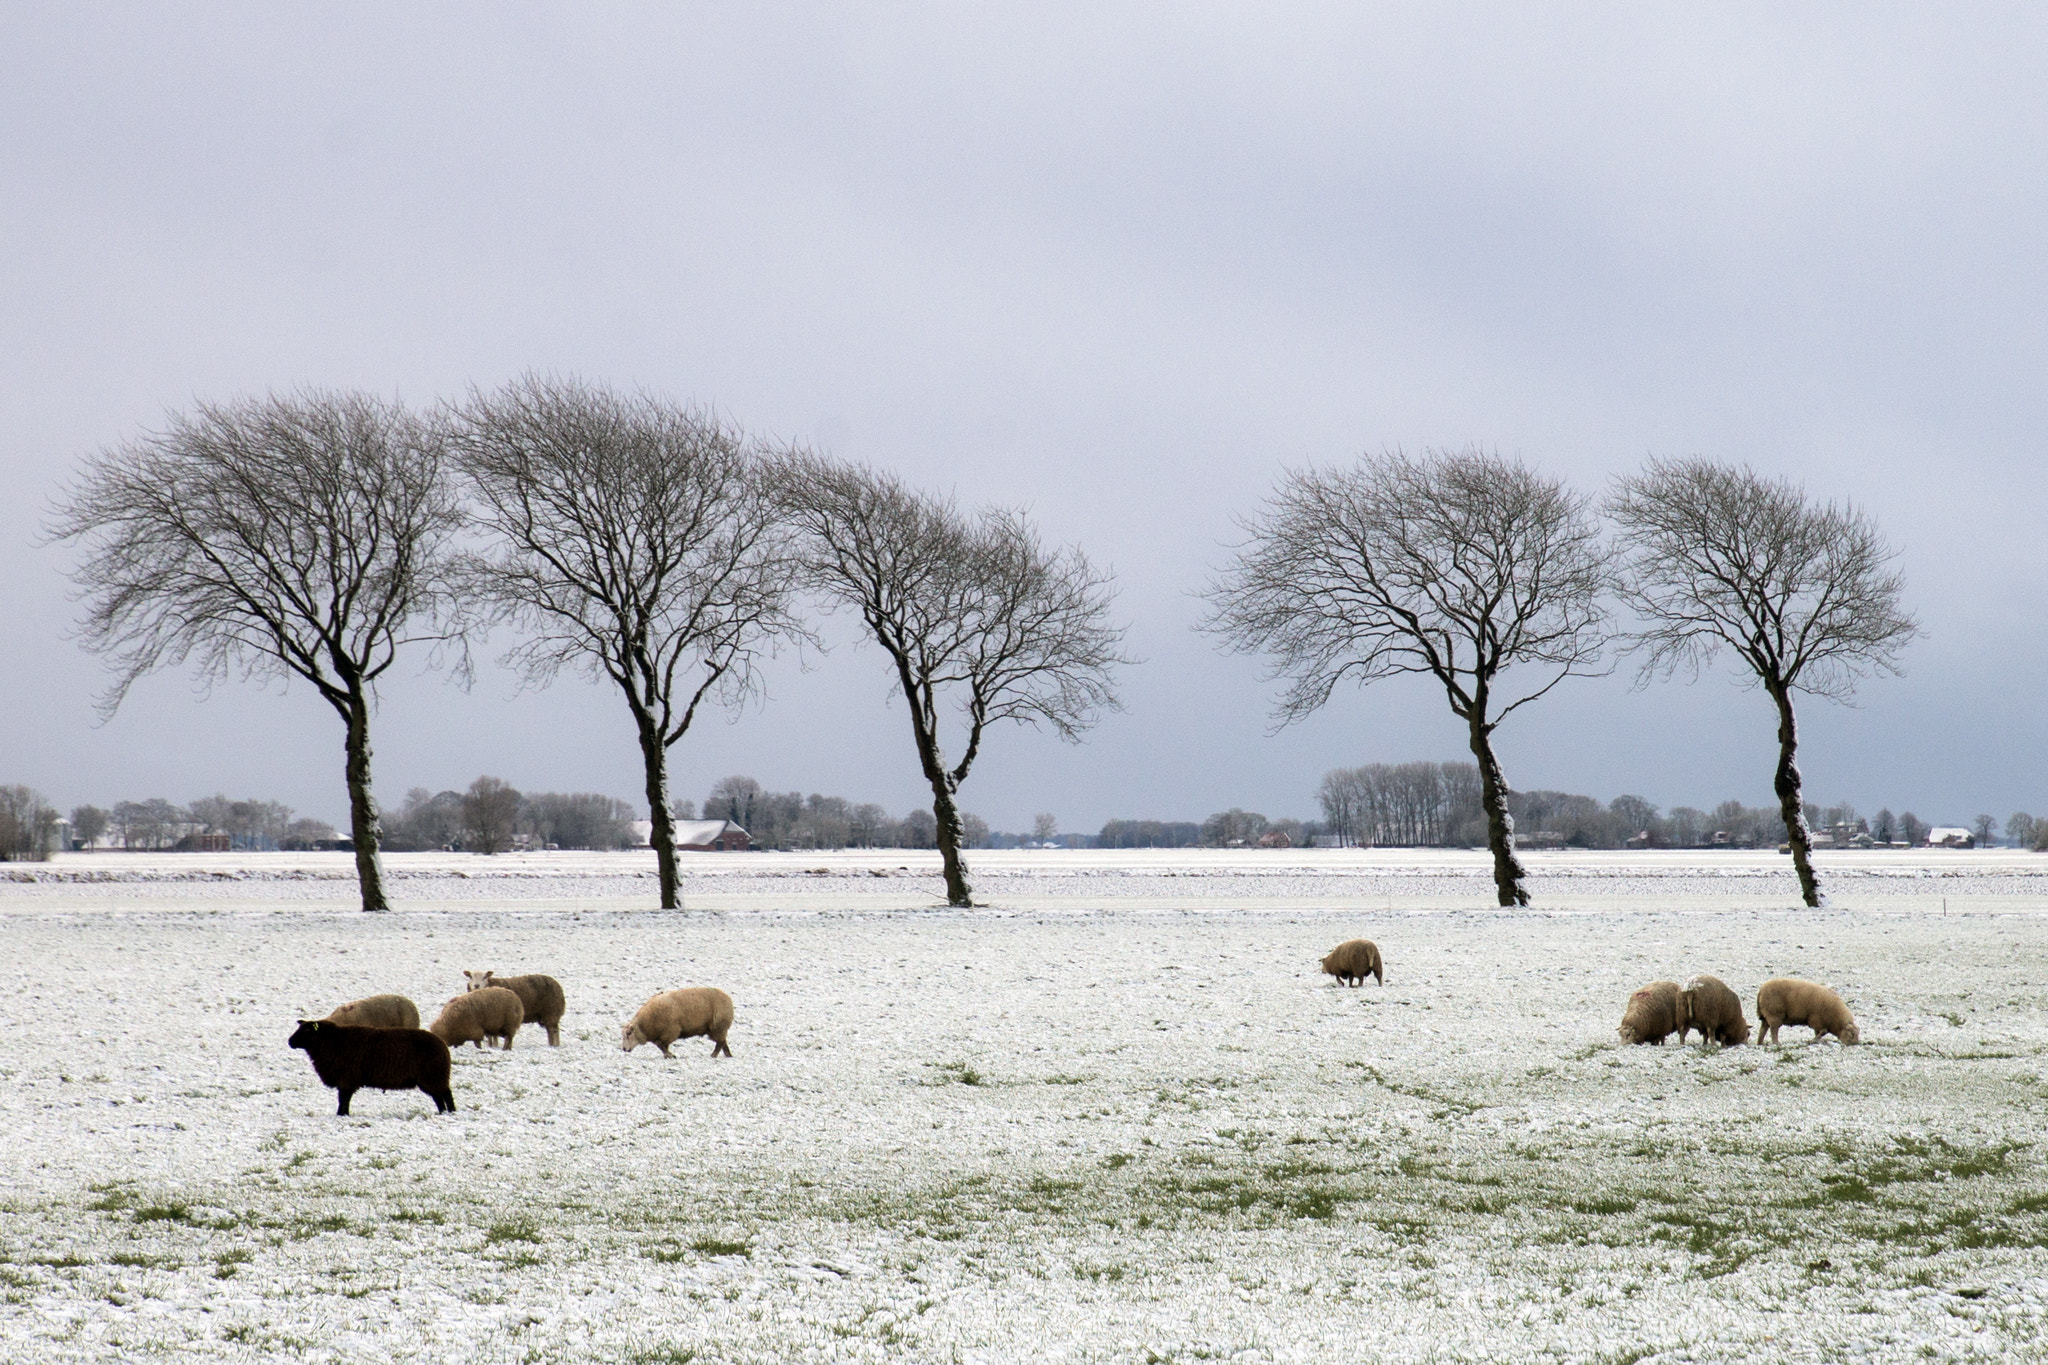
pixel 1119 263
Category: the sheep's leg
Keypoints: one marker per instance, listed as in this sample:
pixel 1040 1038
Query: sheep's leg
pixel 666 1053
pixel 718 1045
pixel 554 1035
pixel 342 1110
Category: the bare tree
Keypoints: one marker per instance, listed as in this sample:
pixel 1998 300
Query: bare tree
pixel 28 825
pixel 88 823
pixel 2019 827
pixel 1984 827
pixel 634 544
pixel 1044 825
pixel 970 610
pixel 296 536
pixel 1804 594
pixel 1457 565
pixel 490 810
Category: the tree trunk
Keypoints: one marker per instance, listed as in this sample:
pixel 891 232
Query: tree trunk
pixel 1500 826
pixel 945 813
pixel 364 830
pixel 654 754
pixel 1789 806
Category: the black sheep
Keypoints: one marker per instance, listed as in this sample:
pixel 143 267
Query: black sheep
pixel 349 1058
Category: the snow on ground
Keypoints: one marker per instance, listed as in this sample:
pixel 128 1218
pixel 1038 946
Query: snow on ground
pixel 1117 1115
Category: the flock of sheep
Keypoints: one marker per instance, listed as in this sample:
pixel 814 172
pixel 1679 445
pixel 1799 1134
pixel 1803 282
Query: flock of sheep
pixel 378 1044
pixel 1663 1008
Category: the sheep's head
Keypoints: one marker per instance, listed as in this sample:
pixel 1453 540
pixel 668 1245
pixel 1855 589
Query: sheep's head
pixel 630 1037
pixel 477 980
pixel 1851 1035
pixel 307 1030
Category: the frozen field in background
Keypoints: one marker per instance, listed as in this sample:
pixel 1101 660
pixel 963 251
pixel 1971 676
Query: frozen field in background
pixel 1116 1116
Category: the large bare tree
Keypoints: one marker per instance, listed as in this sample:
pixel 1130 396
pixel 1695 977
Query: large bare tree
pixel 1457 565
pixel 300 535
pixel 1804 594
pixel 634 541
pixel 975 615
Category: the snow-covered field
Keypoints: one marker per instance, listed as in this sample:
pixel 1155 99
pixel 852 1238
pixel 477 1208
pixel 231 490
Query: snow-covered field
pixel 1115 1115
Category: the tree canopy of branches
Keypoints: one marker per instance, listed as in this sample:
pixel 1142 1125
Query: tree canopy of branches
pixel 1805 595
pixel 1457 565
pixel 287 536
pixel 970 610
pixel 633 542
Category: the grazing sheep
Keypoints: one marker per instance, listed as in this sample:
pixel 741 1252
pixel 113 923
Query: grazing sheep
pixel 1715 1011
pixel 348 1057
pixel 1788 1000
pixel 540 994
pixel 473 1016
pixel 377 1011
pixel 1653 1011
pixel 1352 962
pixel 694 1011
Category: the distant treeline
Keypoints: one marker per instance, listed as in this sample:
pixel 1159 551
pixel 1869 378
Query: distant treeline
pixel 1436 805
pixel 493 817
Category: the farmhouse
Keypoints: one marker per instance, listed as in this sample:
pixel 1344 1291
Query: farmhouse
pixel 1950 836
pixel 697 836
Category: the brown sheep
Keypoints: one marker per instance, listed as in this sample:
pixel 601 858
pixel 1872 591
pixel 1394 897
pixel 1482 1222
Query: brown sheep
pixel 348 1058
pixel 473 1016
pixel 1715 1011
pixel 1788 1000
pixel 1654 1011
pixel 540 994
pixel 377 1011
pixel 1353 961
pixel 692 1012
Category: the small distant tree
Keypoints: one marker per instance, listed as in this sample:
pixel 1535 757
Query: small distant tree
pixel 299 536
pixel 976 616
pixel 490 814
pixel 1882 827
pixel 1633 815
pixel 88 823
pixel 28 825
pixel 973 830
pixel 739 799
pixel 1912 829
pixel 1044 825
pixel 1984 826
pixel 634 544
pixel 1804 595
pixel 2019 828
pixel 1233 827
pixel 1687 826
pixel 1463 567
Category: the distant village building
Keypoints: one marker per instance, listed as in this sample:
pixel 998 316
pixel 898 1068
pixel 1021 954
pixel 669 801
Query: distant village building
pixel 696 836
pixel 1275 838
pixel 1950 836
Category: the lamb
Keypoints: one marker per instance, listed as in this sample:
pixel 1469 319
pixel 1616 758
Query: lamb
pixel 348 1057
pixel 1351 962
pixel 541 995
pixel 473 1016
pixel 1654 1011
pixel 377 1011
pixel 1788 1000
pixel 692 1012
pixel 1715 1011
